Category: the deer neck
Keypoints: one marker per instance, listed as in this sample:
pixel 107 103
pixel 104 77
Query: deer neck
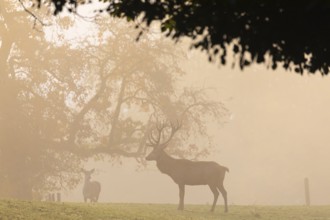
pixel 87 181
pixel 165 163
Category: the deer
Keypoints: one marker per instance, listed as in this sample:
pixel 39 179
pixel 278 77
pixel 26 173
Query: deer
pixel 182 171
pixel 91 189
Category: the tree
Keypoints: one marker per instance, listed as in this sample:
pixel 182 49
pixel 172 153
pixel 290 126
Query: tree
pixel 134 85
pixel 293 34
pixel 65 102
pixel 29 166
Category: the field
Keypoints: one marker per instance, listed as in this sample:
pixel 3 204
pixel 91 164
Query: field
pixel 12 209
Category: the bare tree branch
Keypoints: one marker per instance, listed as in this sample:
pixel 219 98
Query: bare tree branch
pixel 36 19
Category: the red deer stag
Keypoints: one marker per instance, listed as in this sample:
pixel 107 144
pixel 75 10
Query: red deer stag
pixel 185 172
pixel 91 189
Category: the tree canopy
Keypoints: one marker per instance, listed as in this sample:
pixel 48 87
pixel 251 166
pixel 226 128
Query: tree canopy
pixel 95 96
pixel 291 34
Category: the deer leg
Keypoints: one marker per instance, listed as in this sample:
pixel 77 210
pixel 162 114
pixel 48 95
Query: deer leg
pixel 181 194
pixel 216 195
pixel 224 195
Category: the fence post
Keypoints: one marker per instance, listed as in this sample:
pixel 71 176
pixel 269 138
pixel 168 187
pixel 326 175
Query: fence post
pixel 58 197
pixel 307 192
pixel 49 197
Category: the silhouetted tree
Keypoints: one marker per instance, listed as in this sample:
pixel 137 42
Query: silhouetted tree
pixel 64 101
pixel 124 87
pixel 292 34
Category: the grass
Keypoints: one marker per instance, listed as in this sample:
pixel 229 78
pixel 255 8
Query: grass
pixel 14 209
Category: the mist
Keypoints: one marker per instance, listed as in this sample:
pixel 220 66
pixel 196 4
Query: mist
pixel 275 137
pixel 60 113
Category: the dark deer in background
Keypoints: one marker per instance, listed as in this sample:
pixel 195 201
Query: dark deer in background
pixel 186 172
pixel 91 189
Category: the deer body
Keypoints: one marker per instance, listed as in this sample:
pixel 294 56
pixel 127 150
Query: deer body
pixel 91 189
pixel 191 172
pixel 187 172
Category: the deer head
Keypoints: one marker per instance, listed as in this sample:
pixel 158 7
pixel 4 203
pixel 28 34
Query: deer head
pixel 88 174
pixel 157 139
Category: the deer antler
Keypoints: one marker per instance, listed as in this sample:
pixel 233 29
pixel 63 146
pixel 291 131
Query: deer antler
pixel 174 128
pixel 153 138
pixel 156 134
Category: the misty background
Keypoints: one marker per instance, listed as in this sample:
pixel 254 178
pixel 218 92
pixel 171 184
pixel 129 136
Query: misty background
pixel 274 136
pixel 277 135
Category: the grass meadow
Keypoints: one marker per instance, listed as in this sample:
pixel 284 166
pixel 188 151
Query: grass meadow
pixel 14 209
